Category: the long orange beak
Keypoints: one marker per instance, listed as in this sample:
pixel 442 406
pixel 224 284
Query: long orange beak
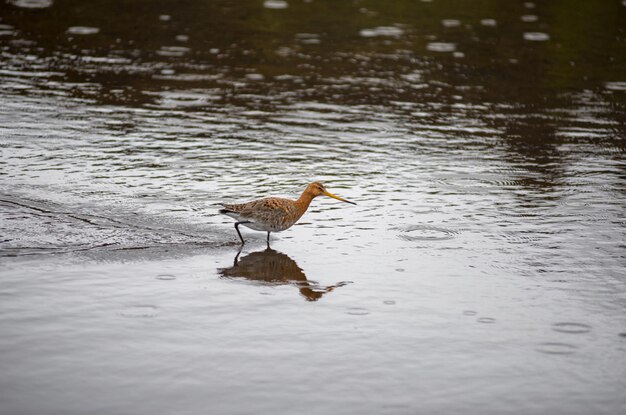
pixel 337 197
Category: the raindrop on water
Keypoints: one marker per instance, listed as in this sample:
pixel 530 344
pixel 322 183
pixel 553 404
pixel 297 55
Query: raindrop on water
pixel 451 23
pixel 441 47
pixel 275 4
pixel 556 348
pixel 529 18
pixel 31 4
pixel 166 277
pixel 389 31
pixel 615 86
pixel 83 30
pixel 426 233
pixel 140 311
pixel 255 77
pixel 536 36
pixel 573 328
pixel 357 311
pixel 172 51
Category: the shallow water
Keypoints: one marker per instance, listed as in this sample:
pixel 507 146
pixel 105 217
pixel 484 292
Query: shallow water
pixel 481 271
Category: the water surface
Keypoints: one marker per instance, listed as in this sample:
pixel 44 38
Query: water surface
pixel 481 271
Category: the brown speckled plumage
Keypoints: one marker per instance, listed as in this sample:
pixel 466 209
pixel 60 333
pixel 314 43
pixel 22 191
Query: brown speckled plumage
pixel 274 214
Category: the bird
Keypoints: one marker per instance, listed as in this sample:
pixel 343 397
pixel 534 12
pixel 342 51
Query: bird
pixel 274 214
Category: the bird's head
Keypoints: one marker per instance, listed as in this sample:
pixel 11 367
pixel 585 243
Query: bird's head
pixel 318 189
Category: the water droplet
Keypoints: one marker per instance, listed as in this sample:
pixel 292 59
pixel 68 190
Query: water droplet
pixel 389 302
pixel 469 313
pixel 488 22
pixel 486 320
pixel 165 17
pixel 573 328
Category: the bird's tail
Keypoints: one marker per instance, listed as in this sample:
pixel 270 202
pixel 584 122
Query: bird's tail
pixel 225 210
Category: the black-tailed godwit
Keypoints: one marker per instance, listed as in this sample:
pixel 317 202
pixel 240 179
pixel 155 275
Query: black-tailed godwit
pixel 274 214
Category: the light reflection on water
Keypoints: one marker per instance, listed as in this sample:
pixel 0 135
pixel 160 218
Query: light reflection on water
pixel 485 255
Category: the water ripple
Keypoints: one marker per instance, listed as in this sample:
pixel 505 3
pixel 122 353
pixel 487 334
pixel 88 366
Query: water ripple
pixel 556 348
pixel 32 4
pixel 571 328
pixel 427 233
pixel 83 30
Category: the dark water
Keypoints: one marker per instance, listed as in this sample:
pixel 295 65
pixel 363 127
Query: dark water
pixel 482 271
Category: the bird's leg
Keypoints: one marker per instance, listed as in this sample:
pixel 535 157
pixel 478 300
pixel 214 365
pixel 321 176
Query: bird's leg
pixel 239 233
pixel 268 239
pixel 237 256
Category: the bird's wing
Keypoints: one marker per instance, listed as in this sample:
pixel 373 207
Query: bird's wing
pixel 269 209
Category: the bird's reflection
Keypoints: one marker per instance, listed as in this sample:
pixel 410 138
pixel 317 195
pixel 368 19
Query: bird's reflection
pixel 273 267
